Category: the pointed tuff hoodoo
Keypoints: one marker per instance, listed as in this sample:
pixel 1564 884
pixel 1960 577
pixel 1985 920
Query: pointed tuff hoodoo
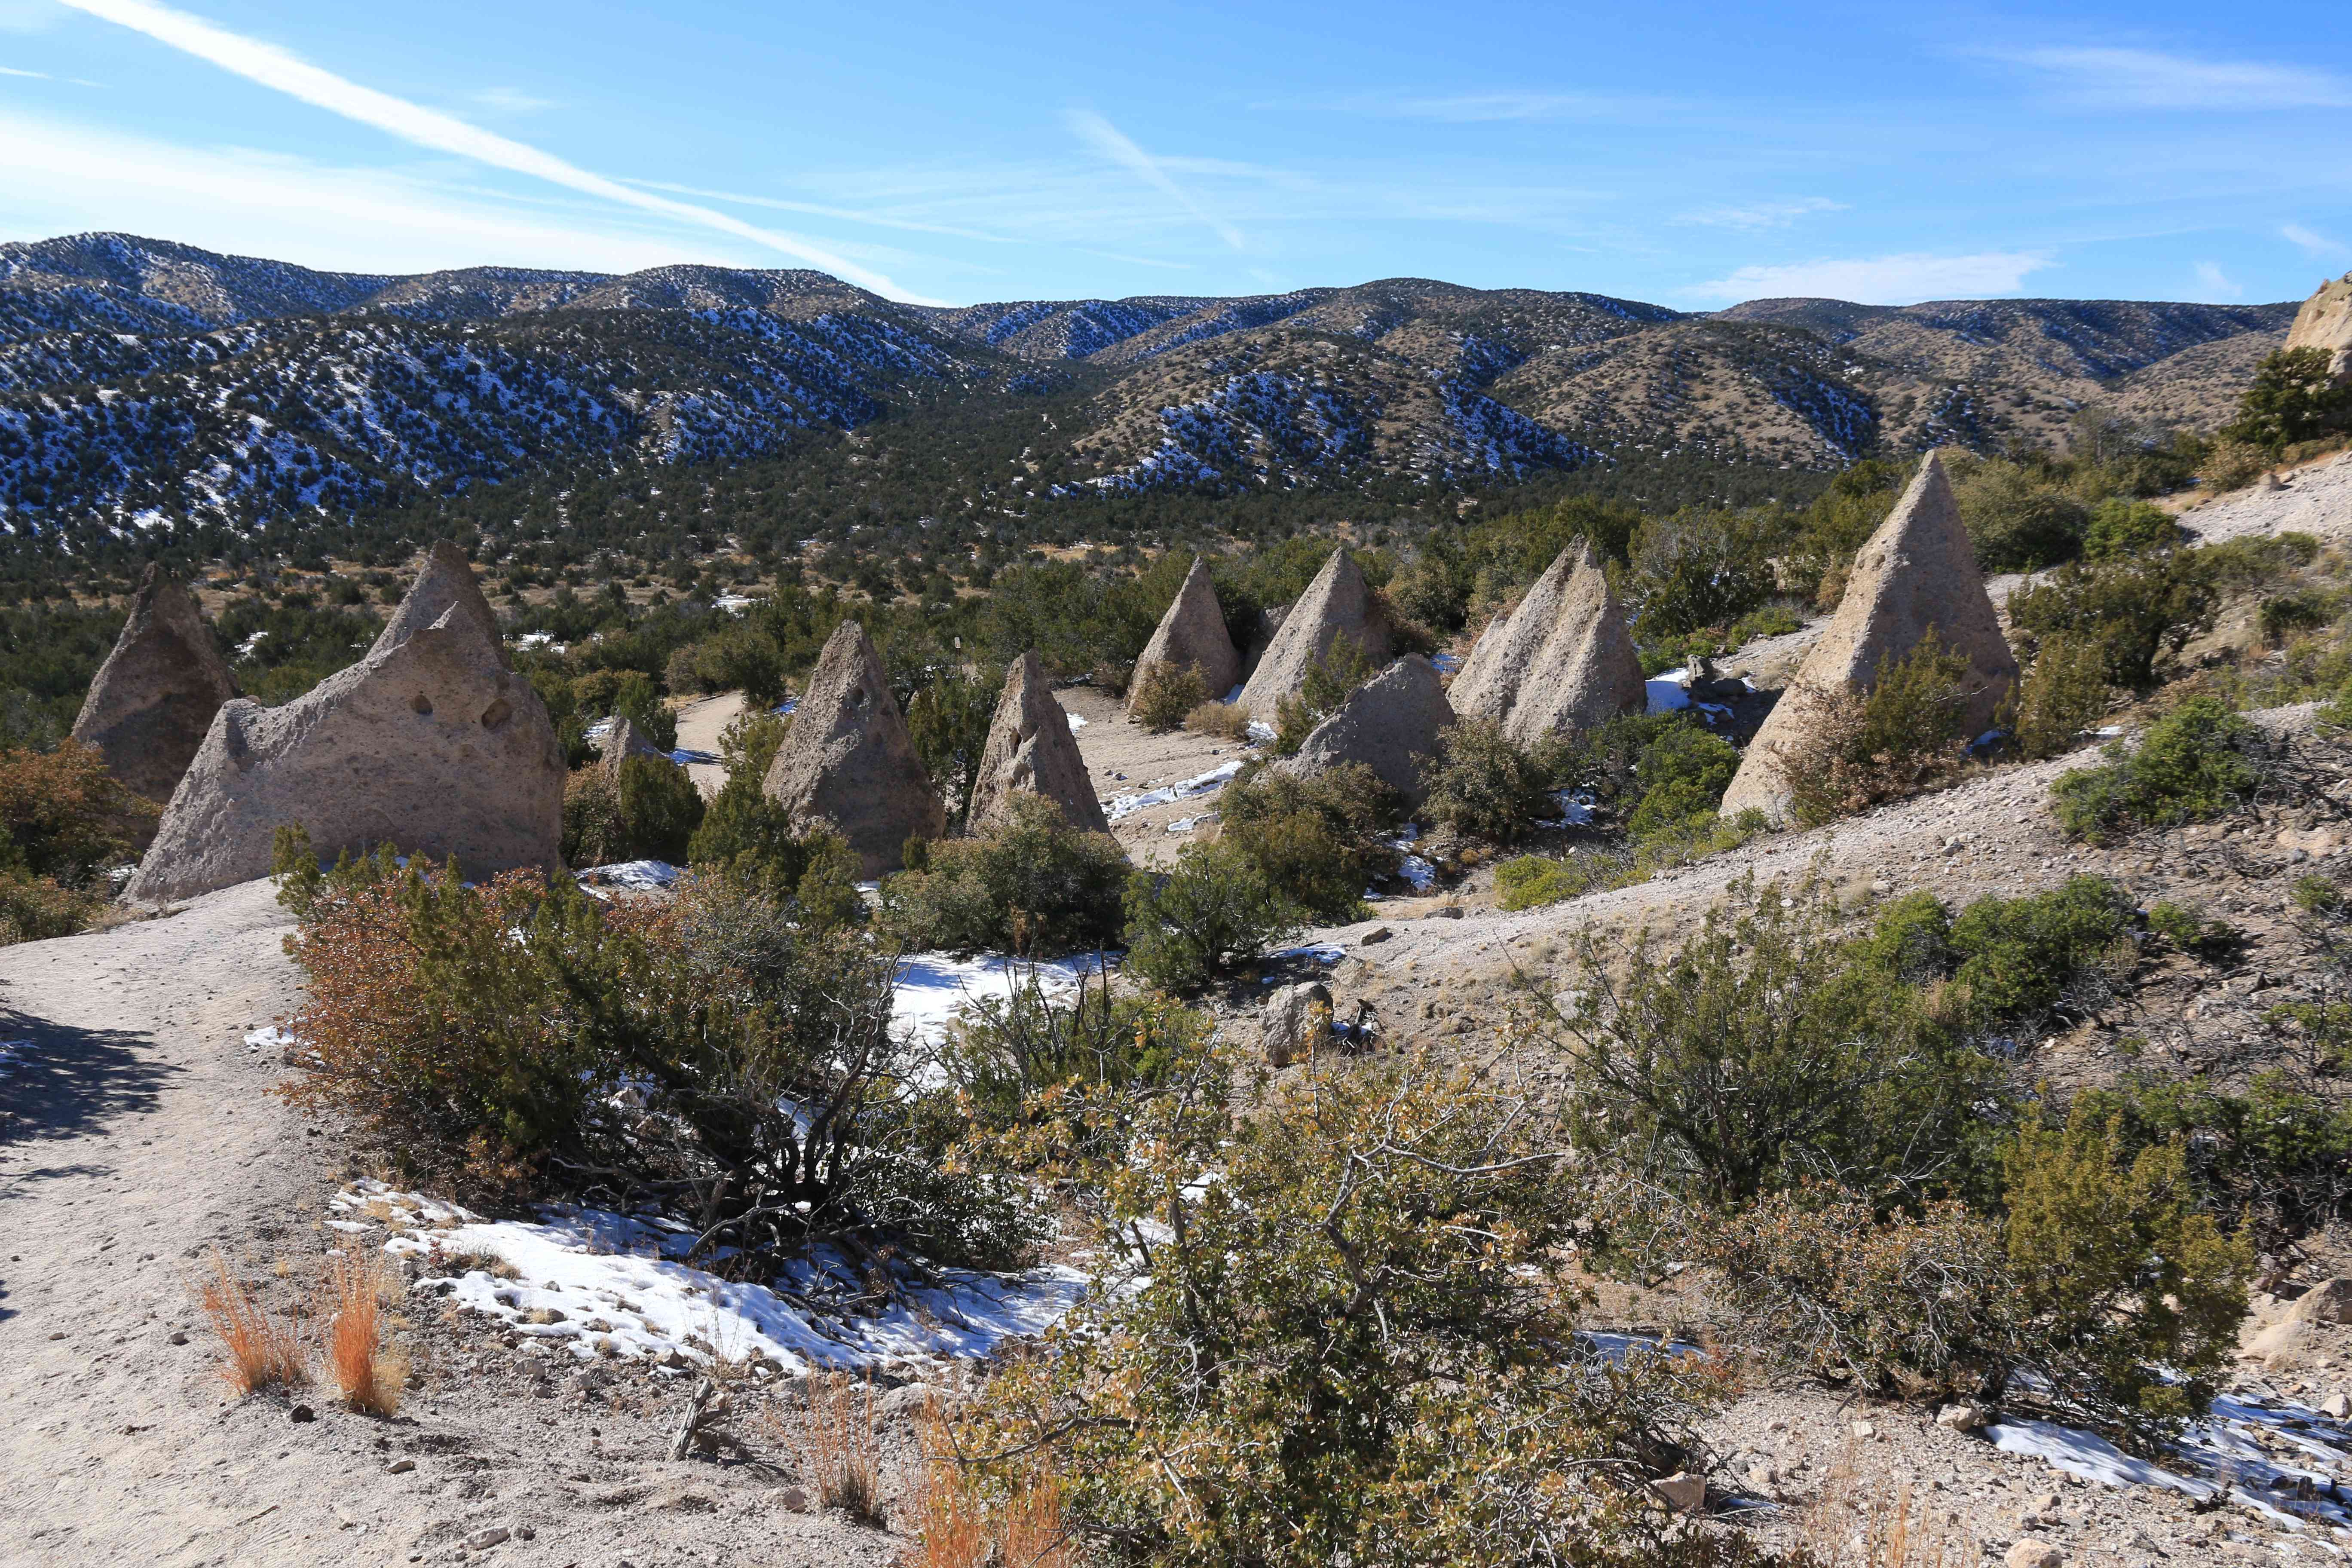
pixel 2326 322
pixel 429 743
pixel 1490 679
pixel 1030 751
pixel 1587 671
pixel 625 740
pixel 1916 572
pixel 156 693
pixel 1193 632
pixel 1336 603
pixel 848 763
pixel 447 581
pixel 1389 724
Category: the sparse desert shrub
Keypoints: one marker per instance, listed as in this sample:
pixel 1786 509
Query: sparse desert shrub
pixel 1906 734
pixel 1533 880
pixel 1216 911
pixel 1317 840
pixel 645 809
pixel 66 821
pixel 2064 694
pixel 1699 567
pixel 2017 958
pixel 2121 526
pixel 1031 885
pixel 2015 523
pixel 1486 785
pixel 1225 721
pixel 1344 667
pixel 257 1350
pixel 2277 1152
pixel 365 1370
pixel 35 909
pixel 2137 610
pixel 1166 694
pixel 2280 616
pixel 2199 936
pixel 840 1457
pixel 2197 763
pixel 1007 1053
pixel 2232 465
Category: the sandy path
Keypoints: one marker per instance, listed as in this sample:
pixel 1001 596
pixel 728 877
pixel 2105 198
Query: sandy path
pixel 699 725
pixel 1112 746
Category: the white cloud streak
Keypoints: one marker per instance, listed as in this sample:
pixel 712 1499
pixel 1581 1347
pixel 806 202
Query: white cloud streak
pixel 1904 279
pixel 273 68
pixel 1111 143
pixel 2316 243
pixel 2145 78
pixel 1761 215
pixel 2216 282
pixel 818 209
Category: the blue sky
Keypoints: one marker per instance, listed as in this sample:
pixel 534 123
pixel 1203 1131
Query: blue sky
pixel 1689 154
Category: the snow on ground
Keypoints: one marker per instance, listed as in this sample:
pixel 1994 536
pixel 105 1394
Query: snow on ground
pixel 593 1282
pixel 1215 779
pixel 1077 724
pixel 271 1039
pixel 932 989
pixel 13 1053
pixel 1668 692
pixel 639 875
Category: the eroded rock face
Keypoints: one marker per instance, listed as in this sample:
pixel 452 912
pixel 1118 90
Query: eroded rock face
pixel 625 740
pixel 1916 574
pixel 155 696
pixel 1193 632
pixel 446 582
pixel 1391 725
pixel 1586 670
pixel 1488 682
pixel 2326 322
pixel 1030 751
pixel 430 743
pixel 847 761
pixel 1336 603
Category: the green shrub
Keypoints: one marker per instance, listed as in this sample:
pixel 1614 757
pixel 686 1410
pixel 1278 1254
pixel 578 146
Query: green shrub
pixel 1317 841
pixel 1530 880
pixel 2199 936
pixel 1344 667
pixel 2016 523
pixel 1216 911
pixel 1908 731
pixel 1166 694
pixel 2295 397
pixel 65 817
pixel 35 909
pixel 629 694
pixel 2195 764
pixel 2277 1152
pixel 1031 885
pixel 751 837
pixel 1682 774
pixel 2063 693
pixel 2017 958
pixel 1699 567
pixel 2135 610
pixel 1484 785
pixel 1007 1055
pixel 646 808
pixel 2283 614
pixel 2120 527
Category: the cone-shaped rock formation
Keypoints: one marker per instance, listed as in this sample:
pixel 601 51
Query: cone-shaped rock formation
pixel 447 581
pixel 848 763
pixel 1390 723
pixel 1193 632
pixel 1587 670
pixel 1917 574
pixel 156 693
pixel 1336 603
pixel 2326 322
pixel 1030 751
pixel 625 740
pixel 1488 682
pixel 429 743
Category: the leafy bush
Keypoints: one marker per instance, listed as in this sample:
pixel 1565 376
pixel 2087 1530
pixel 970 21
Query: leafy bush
pixel 2017 958
pixel 2232 465
pixel 1344 667
pixel 1697 568
pixel 2016 523
pixel 749 836
pixel 2197 935
pixel 1682 774
pixel 1531 881
pixel 1216 911
pixel 1486 785
pixel 2063 693
pixel 2195 764
pixel 1007 1056
pixel 2135 610
pixel 2282 615
pixel 2295 397
pixel 35 909
pixel 2120 527
pixel 1907 732
pixel 648 808
pixel 65 817
pixel 1031 885
pixel 1166 694
pixel 1317 840
pixel 2277 1152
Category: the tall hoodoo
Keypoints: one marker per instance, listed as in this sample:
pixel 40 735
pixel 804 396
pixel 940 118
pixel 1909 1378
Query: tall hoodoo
pixel 848 763
pixel 1193 632
pixel 1488 682
pixel 1587 671
pixel 625 740
pixel 1916 574
pixel 429 743
pixel 2326 322
pixel 1391 725
pixel 1337 604
pixel 446 582
pixel 1030 751
pixel 156 694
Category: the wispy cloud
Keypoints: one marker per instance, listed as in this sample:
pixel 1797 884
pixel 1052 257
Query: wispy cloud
pixel 511 100
pixel 2145 78
pixel 1761 215
pixel 818 209
pixel 277 68
pixel 2317 244
pixel 1111 143
pixel 44 76
pixel 2216 283
pixel 1488 107
pixel 1882 279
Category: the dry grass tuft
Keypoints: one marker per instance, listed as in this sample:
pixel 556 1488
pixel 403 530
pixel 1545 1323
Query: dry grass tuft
pixel 837 1448
pixel 1226 721
pixel 957 1527
pixel 1858 1522
pixel 260 1352
pixel 369 1375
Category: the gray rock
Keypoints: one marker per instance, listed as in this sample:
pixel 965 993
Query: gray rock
pixel 1488 682
pixel 1297 1023
pixel 1030 750
pixel 848 763
pixel 2030 1552
pixel 625 740
pixel 1391 725
pixel 445 581
pixel 1336 603
pixel 1962 1415
pixel 155 695
pixel 1916 574
pixel 1586 671
pixel 1683 1492
pixel 430 744
pixel 2329 1301
pixel 1193 632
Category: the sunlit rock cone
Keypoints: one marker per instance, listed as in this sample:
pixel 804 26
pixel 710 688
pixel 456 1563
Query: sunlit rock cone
pixel 848 763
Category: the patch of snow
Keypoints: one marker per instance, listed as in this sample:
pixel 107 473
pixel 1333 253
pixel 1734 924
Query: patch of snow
pixel 1574 809
pixel 1417 871
pixel 13 1054
pixel 534 639
pixel 1261 731
pixel 1077 724
pixel 1187 824
pixel 687 754
pixel 1215 779
pixel 932 989
pixel 272 1038
pixel 2088 1455
pixel 1668 692
pixel 1325 952
pixel 733 603
pixel 2235 1447
pixel 1444 663
pixel 642 875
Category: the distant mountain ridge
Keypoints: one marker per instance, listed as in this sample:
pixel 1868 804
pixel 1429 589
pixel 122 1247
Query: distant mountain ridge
pixel 143 379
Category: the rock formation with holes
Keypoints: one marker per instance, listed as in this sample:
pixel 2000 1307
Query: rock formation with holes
pixel 155 695
pixel 1193 632
pixel 1391 725
pixel 848 763
pixel 430 743
pixel 1916 576
pixel 1030 750
pixel 1337 604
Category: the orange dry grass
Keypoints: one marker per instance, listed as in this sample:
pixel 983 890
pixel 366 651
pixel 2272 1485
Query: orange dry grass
pixel 956 1526
pixel 368 1374
pixel 1858 1523
pixel 260 1352
pixel 838 1453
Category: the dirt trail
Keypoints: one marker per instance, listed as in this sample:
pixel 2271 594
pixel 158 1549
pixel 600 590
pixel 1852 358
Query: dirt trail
pixel 699 725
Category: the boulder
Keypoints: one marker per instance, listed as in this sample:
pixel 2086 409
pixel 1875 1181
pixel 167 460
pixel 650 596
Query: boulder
pixel 1297 1023
pixel 1389 724
pixel 429 743
pixel 1916 574
pixel 1336 603
pixel 156 694
pixel 2329 1301
pixel 1193 632
pixel 625 740
pixel 848 763
pixel 1586 671
pixel 1030 750
pixel 2326 322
